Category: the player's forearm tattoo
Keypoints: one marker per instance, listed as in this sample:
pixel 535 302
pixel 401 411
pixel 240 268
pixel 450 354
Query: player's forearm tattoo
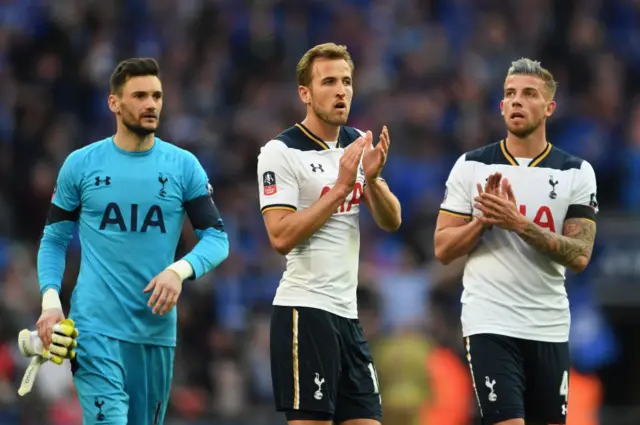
pixel 566 249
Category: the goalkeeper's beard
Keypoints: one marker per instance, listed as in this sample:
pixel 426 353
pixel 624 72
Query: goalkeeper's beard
pixel 137 129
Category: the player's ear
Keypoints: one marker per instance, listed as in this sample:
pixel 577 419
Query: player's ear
pixel 113 103
pixel 502 107
pixel 550 109
pixel 305 94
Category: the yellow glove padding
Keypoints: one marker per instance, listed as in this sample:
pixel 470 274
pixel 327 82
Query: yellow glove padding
pixel 63 342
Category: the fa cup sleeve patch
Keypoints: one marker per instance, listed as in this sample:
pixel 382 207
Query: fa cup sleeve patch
pixel 269 183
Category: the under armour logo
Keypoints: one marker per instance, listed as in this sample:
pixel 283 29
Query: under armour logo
pixel 106 181
pixel 490 384
pixel 564 410
pixel 100 416
pixel 316 167
pixel 318 394
pixel 553 194
pixel 162 181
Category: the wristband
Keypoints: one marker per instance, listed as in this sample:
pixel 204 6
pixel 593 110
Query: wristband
pixel 182 268
pixel 51 300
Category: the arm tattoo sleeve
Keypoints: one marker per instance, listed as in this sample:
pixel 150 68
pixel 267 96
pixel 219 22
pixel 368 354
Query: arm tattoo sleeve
pixel 571 249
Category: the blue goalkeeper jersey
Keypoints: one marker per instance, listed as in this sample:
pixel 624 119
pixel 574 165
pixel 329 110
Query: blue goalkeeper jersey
pixel 130 208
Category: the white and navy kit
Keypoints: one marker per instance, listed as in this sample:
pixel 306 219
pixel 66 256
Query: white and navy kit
pixel 321 364
pixel 294 171
pixel 514 297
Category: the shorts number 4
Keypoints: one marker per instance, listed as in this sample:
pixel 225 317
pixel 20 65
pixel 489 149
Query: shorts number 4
pixel 564 391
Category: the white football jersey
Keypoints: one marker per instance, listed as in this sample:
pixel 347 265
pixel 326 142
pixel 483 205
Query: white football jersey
pixel 294 171
pixel 510 288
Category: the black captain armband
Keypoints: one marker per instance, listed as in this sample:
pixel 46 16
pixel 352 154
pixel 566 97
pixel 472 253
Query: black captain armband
pixel 57 214
pixel 203 213
pixel 581 211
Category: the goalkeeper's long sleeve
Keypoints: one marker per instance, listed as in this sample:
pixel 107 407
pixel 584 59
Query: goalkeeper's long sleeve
pixel 213 246
pixel 61 222
pixel 52 254
pixel 211 250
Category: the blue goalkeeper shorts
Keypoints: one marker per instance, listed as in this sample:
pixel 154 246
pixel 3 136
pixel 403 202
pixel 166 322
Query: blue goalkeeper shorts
pixel 121 383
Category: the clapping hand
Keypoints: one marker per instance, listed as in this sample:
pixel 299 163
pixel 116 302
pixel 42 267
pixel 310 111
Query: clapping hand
pixel 498 205
pixel 374 158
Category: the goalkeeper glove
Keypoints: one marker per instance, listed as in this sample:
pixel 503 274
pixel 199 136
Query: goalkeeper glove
pixel 63 342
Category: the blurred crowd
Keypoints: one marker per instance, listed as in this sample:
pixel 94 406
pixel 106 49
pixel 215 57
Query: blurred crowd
pixel 431 70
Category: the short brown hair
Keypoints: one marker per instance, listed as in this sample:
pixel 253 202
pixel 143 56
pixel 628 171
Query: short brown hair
pixel 321 51
pixel 525 66
pixel 134 67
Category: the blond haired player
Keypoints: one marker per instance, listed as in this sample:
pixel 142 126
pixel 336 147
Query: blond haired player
pixel 523 211
pixel 312 178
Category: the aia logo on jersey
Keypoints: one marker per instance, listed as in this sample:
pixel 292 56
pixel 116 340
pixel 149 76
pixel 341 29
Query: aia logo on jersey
pixel 543 217
pixel 269 183
pixel 352 200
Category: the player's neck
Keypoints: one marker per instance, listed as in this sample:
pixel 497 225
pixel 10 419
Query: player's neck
pixel 327 132
pixel 131 142
pixel 526 147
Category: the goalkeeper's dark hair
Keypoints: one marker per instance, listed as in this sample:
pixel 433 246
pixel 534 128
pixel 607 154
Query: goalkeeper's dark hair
pixel 134 67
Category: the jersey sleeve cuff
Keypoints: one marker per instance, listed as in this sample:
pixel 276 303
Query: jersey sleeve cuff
pixel 278 207
pixel 581 211
pixel 455 213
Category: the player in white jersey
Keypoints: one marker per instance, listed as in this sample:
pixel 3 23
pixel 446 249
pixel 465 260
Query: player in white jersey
pixel 312 178
pixel 523 211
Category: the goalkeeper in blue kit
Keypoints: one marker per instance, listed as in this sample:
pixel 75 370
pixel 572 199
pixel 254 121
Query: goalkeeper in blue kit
pixel 128 194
